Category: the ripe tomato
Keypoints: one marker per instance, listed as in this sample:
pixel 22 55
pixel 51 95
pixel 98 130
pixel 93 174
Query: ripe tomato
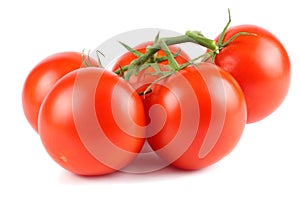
pixel 145 77
pixel 196 116
pixel 261 66
pixel 85 127
pixel 42 78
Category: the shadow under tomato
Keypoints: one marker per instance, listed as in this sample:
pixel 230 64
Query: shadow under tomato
pixel 121 177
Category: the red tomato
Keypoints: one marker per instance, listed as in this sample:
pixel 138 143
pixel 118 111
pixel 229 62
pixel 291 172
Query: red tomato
pixel 196 116
pixel 85 127
pixel 261 66
pixel 145 77
pixel 42 78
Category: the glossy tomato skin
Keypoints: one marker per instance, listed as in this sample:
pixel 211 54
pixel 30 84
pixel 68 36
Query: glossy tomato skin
pixel 145 77
pixel 42 78
pixel 261 66
pixel 202 114
pixel 85 127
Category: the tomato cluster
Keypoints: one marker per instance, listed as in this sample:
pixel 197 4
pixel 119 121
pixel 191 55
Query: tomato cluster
pixel 191 114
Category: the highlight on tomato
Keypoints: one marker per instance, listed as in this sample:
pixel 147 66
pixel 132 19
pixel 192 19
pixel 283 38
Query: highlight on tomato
pixel 42 78
pixel 85 127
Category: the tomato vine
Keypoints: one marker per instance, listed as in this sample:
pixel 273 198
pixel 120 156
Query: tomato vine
pixel 144 60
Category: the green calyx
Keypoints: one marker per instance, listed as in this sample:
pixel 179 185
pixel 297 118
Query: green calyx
pixel 214 47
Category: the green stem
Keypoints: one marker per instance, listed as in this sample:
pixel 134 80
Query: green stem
pixel 200 39
pixel 172 62
pixel 156 47
pixel 190 36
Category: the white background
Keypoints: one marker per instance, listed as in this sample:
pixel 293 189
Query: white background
pixel 264 165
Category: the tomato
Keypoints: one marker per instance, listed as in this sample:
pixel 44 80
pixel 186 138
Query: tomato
pixel 145 77
pixel 261 66
pixel 42 78
pixel 85 127
pixel 195 116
